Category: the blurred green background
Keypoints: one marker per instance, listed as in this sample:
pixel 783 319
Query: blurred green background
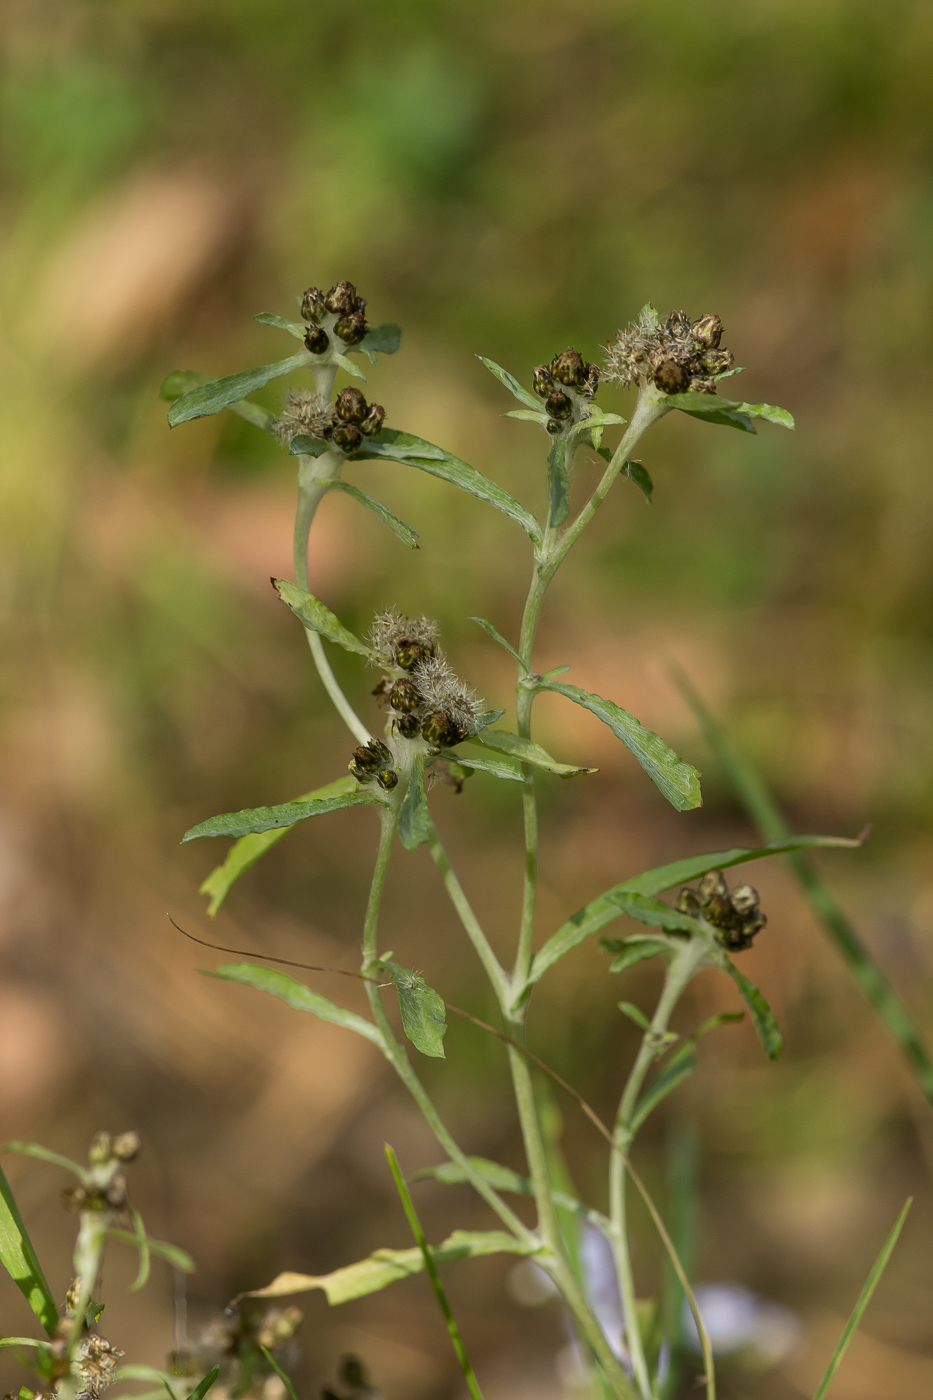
pixel 501 179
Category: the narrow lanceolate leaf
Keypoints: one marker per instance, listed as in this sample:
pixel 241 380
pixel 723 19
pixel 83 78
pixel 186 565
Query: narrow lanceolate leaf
pixel 658 914
pixel 245 852
pixel 398 527
pixel 871 1283
pixel 297 995
pixel 21 1262
pixel 203 1386
pixel 310 611
pixel 637 473
pixel 772 1041
pixel 174 385
pixel 384 339
pixel 424 1016
pixel 45 1154
pixel 678 1068
pixel 528 415
pixel 493 766
pixel 387 1266
pixel 395 446
pixel 527 751
pixel 296 328
pixel 760 805
pixel 523 395
pixel 258 819
pixel 347 365
pixel 216 394
pixel 500 1179
pixel 734 414
pixel 605 907
pixel 630 951
pixel 558 484
pixel 677 779
pixel 303 446
pixel 498 637
pixel 171 1253
pixel 414 820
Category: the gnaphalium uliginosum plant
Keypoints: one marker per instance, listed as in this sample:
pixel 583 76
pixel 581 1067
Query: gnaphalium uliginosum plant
pixel 433 725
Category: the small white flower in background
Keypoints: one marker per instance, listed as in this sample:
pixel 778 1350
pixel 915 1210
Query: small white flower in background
pixel 738 1320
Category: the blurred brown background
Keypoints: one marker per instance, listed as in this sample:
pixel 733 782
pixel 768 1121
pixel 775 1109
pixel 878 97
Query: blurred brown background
pixel 501 179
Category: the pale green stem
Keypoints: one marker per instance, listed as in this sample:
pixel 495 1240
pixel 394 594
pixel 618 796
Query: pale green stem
pixel 679 973
pixel 525 699
pixel 394 1050
pixel 557 1264
pixel 88 1250
pixel 493 968
pixel 315 475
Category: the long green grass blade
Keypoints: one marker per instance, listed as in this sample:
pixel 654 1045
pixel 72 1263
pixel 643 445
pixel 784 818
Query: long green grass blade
pixel 754 796
pixel 430 1266
pixel 279 1372
pixel 204 1386
pixel 871 1283
pixel 21 1262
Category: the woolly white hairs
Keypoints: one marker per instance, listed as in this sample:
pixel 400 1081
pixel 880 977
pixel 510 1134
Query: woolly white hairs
pixel 442 690
pixel 390 628
pixel 303 412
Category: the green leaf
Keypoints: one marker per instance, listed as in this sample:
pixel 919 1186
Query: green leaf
pixel 630 951
pixel 142 1244
pixel 527 751
pixel 487 718
pixel 629 1009
pixel 398 527
pixel 303 446
pixel 21 1261
pixel 498 637
pixel 637 473
pixel 296 328
pixel 648 317
pixel 387 1266
pixel 528 415
pixel 733 414
pixel 177 1258
pixel 414 820
pixel 871 1283
pixel 413 451
pixel 424 1016
pixel 286 814
pixel 25 1342
pixel 558 485
pixel 35 1149
pixel 500 1178
pixel 761 807
pixel 318 618
pixel 605 907
pixel 677 780
pixel 297 995
pixel 523 395
pixel 655 912
pixel 182 381
pixel 245 852
pixel 384 339
pixel 347 365
pixel 483 765
pixel 292 1392
pixel 771 1039
pixel 203 1386
pixel 216 394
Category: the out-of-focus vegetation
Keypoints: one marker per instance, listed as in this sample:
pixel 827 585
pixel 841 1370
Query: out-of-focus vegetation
pixel 501 179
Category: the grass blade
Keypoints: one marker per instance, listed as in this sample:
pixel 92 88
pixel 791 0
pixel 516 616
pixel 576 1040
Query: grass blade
pixel 204 1386
pixel 21 1262
pixel 760 805
pixel 278 1371
pixel 415 1223
pixel 871 1283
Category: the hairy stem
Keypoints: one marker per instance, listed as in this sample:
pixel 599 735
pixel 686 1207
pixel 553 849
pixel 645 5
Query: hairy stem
pixel 493 968
pixel 315 475
pixel 525 700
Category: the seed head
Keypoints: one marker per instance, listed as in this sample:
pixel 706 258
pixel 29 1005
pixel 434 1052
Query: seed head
pixel 679 356
pixel 444 693
pixel 303 414
pixel 403 641
pixel 95 1363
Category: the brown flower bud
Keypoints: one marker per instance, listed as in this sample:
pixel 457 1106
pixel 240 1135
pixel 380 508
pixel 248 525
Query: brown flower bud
pixel 341 298
pixel 555 426
pixel 542 381
pixel 372 756
pixel 569 367
pixel 440 731
pixel 351 328
pixel 317 340
pixel 387 779
pixel 688 903
pixel 404 697
pixel 347 437
pixel 409 653
pixel 592 379
pixel 708 331
pixel 408 726
pixel 558 404
pixel 351 406
pixel 745 900
pixel 671 378
pixel 312 304
pixel 127 1146
pixel 373 420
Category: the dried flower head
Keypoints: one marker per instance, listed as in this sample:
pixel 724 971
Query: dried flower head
pixel 735 914
pixel 403 641
pixel 95 1363
pixel 679 356
pixel 449 705
pixel 303 413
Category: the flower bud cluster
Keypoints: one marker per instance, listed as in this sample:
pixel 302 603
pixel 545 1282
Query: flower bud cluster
pixel 345 423
pixel 733 913
pixel 679 356
pixel 429 700
pixel 372 762
pixel 104 1187
pixel 339 312
pixel 566 385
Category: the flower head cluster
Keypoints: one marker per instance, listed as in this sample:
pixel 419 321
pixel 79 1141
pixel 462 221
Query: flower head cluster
pixel 566 385
pixel 95 1363
pixel 403 641
pixel 339 312
pixel 308 414
pixel 733 913
pixel 679 356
